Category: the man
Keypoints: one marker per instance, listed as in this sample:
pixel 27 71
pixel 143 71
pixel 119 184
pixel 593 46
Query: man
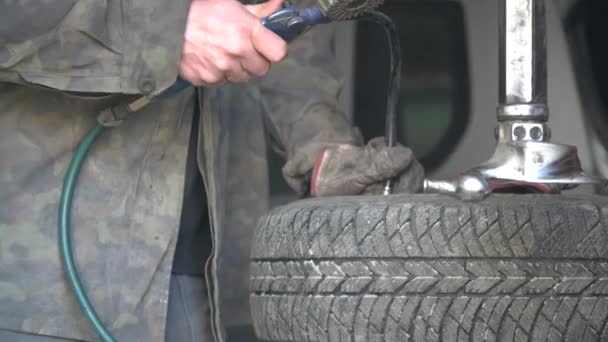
pixel 62 63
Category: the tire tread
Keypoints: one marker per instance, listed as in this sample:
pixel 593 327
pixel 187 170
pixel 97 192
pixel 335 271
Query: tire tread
pixel 431 268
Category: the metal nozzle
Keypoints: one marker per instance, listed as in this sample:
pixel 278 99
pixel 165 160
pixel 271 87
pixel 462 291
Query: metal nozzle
pixel 347 9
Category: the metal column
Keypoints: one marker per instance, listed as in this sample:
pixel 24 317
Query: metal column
pixel 522 79
pixel 522 61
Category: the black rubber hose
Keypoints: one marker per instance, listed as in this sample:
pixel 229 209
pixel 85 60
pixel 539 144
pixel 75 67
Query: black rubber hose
pixel 394 79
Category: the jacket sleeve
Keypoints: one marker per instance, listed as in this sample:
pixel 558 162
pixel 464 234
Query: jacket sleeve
pixel 300 98
pixel 118 46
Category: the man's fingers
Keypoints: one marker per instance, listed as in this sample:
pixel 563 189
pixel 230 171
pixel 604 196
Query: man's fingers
pixel 255 64
pixel 187 73
pixel 235 51
pixel 239 75
pixel 210 80
pixel 265 9
pixel 268 44
pixel 208 77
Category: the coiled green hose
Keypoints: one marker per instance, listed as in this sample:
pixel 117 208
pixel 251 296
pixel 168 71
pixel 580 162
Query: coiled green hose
pixel 65 245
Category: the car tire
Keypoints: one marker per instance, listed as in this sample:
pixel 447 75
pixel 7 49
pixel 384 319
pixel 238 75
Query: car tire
pixel 432 268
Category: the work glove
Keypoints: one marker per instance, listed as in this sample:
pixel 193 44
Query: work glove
pixel 353 170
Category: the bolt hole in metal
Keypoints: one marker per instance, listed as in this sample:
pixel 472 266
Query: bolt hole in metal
pixel 520 133
pixel 536 133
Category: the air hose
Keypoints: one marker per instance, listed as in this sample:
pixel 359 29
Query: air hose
pixel 65 245
pixel 109 117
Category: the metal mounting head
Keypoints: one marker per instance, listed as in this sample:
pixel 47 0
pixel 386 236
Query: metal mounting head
pixel 534 166
pixel 468 187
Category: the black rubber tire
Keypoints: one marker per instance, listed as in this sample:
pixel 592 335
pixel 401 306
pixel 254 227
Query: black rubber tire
pixel 431 268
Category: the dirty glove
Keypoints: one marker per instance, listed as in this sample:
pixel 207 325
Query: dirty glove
pixel 354 170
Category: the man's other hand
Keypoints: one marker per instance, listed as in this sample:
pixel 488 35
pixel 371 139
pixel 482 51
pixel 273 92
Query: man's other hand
pixel 225 42
pixel 354 170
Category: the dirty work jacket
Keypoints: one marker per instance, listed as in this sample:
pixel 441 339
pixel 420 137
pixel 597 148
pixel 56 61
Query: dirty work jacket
pixel 61 62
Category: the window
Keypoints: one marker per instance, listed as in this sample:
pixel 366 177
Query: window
pixel 434 100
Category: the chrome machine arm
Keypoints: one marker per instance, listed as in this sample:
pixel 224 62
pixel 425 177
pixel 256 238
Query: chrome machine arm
pixel 524 158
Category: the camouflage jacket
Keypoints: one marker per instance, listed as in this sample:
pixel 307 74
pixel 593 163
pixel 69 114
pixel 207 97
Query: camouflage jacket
pixel 55 77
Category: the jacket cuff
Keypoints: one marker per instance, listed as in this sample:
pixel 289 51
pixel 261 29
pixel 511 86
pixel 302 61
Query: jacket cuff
pixel 155 32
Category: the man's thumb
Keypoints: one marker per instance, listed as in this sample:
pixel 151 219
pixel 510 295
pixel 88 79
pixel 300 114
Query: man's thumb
pixel 265 9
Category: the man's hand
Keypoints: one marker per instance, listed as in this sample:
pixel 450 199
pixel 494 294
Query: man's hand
pixel 225 42
pixel 354 170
